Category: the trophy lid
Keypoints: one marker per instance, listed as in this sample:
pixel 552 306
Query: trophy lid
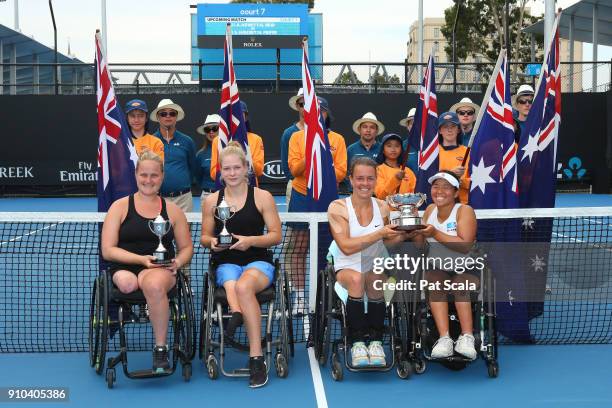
pixel 223 204
pixel 159 219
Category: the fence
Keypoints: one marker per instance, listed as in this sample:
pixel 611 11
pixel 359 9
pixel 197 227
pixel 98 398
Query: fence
pixel 275 77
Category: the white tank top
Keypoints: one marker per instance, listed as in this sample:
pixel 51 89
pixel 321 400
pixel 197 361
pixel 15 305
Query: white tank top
pixel 447 226
pixel 360 261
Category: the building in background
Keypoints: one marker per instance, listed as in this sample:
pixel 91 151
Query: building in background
pixel 435 41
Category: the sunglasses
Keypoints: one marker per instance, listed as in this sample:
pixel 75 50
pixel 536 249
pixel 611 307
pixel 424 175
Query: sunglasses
pixel 524 101
pixel 171 114
pixel 211 129
pixel 465 113
pixel 300 104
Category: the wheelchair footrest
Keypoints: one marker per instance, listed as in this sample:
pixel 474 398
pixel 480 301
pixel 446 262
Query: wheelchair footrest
pixel 148 374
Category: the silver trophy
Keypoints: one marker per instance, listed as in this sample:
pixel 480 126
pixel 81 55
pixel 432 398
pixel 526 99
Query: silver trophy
pixel 160 227
pixel 408 205
pixel 223 213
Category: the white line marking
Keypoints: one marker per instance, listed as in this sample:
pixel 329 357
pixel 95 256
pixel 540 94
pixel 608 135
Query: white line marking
pixel 317 381
pixel 29 233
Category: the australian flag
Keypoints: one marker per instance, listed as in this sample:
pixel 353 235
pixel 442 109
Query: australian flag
pixel 424 133
pixel 538 145
pixel 322 188
pixel 537 158
pixel 232 126
pixel 493 175
pixel 116 153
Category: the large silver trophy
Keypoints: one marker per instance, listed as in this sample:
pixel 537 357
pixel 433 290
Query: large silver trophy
pixel 223 213
pixel 408 205
pixel 160 227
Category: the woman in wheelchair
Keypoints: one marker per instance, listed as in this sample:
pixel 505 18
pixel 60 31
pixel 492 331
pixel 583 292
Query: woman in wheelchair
pixel 245 268
pixel 359 227
pixel 128 244
pixel 450 232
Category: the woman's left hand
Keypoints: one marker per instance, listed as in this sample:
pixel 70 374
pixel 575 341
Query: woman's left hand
pixel 242 244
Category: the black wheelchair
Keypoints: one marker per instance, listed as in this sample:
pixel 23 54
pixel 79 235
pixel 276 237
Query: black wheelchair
pixel 326 336
pixel 111 311
pixel 275 320
pixel 424 332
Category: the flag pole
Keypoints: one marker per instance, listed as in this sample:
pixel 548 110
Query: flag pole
pixel 548 47
pixel 484 104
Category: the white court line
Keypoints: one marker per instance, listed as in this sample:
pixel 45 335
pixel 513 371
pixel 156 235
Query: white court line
pixel 29 233
pixel 317 381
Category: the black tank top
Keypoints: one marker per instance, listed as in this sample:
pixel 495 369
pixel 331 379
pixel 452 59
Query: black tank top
pixel 248 222
pixel 135 235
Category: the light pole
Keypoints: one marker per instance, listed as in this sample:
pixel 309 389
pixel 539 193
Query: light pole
pixel 458 6
pixel 54 47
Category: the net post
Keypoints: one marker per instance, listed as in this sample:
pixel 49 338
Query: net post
pixel 313 226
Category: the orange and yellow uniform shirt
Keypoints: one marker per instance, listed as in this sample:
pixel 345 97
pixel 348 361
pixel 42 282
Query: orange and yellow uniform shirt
pixel 297 158
pixel 150 143
pixel 257 154
pixel 387 183
pixel 451 158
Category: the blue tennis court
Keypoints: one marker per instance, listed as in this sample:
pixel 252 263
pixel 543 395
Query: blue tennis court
pixel 530 376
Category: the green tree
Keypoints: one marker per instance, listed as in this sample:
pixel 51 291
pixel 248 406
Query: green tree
pixel 480 30
pixel 309 2
pixel 381 79
pixel 348 78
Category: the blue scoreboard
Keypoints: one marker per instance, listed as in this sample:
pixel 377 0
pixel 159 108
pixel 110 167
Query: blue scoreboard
pixel 258 31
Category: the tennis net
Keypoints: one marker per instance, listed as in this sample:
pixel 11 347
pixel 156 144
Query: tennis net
pixel 48 262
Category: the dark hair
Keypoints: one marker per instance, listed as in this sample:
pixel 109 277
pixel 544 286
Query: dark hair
pixel 146 125
pixel 361 161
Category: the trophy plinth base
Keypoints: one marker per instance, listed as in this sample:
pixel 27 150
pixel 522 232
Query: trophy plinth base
pixel 407 224
pixel 161 258
pixel 224 241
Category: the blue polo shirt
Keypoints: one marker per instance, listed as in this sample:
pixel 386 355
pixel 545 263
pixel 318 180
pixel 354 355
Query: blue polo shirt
pixel 180 166
pixel 358 149
pixel 465 137
pixel 203 159
pixel 285 150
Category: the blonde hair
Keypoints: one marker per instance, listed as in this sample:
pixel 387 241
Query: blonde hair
pixel 233 148
pixel 149 155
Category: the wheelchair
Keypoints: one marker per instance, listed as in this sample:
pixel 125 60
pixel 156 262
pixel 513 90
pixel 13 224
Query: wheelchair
pixel 215 314
pixel 106 299
pixel 331 310
pixel 424 332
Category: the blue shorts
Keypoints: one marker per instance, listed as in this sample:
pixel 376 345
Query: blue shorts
pixel 232 272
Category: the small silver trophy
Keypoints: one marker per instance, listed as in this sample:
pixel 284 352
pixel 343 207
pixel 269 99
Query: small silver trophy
pixel 223 213
pixel 160 227
pixel 408 205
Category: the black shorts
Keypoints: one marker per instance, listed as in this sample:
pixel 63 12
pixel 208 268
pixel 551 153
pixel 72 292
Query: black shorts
pixel 135 269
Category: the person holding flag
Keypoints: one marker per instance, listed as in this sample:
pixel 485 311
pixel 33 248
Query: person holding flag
pixel 317 161
pixel 452 154
pixel 256 147
pixel 391 177
pixel 137 111
pixel 232 120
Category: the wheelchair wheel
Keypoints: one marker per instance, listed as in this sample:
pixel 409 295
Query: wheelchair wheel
pixel 321 326
pixel 287 295
pixel 94 328
pixel 206 321
pixel 186 371
pixel 280 363
pixel 493 369
pixel 111 376
pixel 187 333
pixel 336 368
pixel 98 327
pixel 404 369
pixel 420 366
pixel 212 367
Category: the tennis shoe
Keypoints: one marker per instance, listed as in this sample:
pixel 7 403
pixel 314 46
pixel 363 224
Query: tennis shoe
pixel 442 348
pixel 359 355
pixel 160 359
pixel 377 354
pixel 465 346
